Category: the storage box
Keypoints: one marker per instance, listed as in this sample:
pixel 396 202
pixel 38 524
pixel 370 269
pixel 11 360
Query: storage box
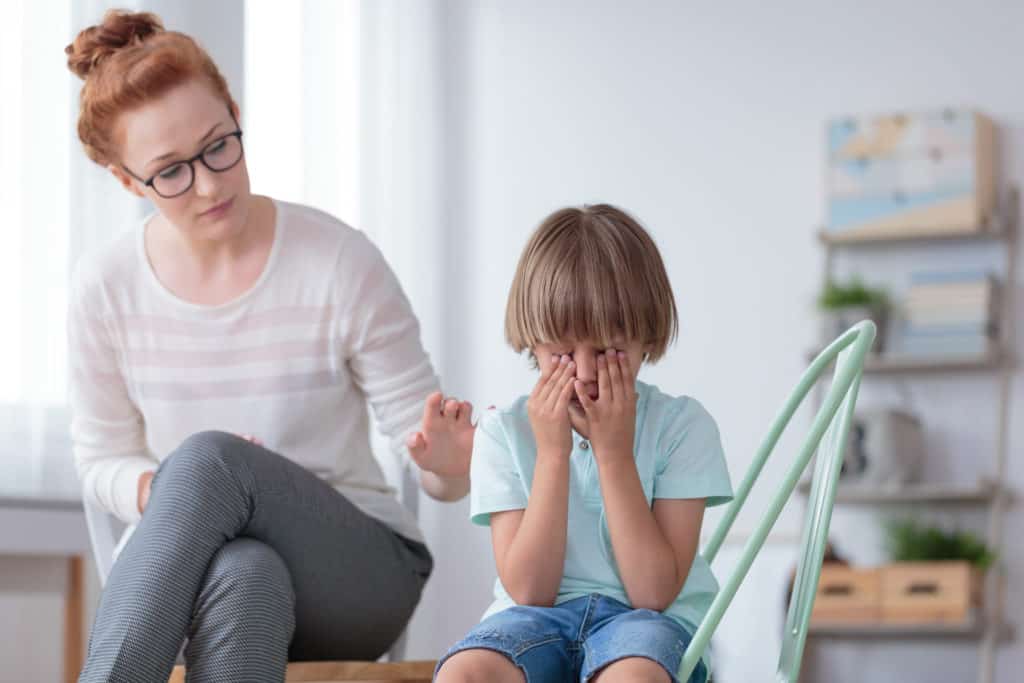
pixel 909 174
pixel 930 592
pixel 847 595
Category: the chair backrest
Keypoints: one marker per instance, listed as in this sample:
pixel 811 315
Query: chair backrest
pixel 829 431
pixel 104 532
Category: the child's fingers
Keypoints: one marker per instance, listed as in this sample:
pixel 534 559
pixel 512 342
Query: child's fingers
pixel 558 383
pixel 604 386
pixel 554 382
pixel 615 374
pixel 565 393
pixel 628 378
pixel 583 396
pixel 545 375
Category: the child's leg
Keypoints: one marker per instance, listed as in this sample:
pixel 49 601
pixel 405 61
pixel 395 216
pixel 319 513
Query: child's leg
pixel 479 666
pixel 632 670
pixel 521 643
pixel 625 644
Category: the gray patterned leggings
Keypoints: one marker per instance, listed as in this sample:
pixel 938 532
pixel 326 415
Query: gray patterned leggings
pixel 256 561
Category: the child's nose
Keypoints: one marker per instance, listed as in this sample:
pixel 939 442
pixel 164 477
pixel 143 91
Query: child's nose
pixel 586 367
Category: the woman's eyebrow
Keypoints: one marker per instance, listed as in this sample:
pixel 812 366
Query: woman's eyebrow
pixel 168 155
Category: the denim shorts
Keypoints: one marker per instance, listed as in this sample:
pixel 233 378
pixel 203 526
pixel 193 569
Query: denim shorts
pixel 576 639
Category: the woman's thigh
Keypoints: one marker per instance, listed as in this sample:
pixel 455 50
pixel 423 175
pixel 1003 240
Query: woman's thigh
pixel 356 582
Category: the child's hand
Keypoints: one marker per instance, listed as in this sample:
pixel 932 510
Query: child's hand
pixel 548 408
pixel 611 419
pixel 444 445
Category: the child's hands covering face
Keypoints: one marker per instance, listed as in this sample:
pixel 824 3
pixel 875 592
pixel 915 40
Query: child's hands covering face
pixel 611 417
pixel 548 408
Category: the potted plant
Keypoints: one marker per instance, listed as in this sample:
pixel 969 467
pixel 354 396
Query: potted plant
pixel 936 576
pixel 842 305
pixel 909 541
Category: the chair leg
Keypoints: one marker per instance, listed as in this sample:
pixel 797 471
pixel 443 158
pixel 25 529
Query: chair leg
pixel 74 603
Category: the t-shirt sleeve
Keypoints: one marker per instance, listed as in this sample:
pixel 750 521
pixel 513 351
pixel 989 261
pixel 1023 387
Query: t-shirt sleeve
pixel 496 482
pixel 692 462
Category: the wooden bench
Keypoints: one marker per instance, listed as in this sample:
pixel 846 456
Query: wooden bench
pixel 343 672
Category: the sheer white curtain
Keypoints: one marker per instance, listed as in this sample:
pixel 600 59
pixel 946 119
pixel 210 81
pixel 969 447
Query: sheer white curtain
pixel 35 242
pixel 301 113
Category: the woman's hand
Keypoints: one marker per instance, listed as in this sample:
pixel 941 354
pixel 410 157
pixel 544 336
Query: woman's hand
pixel 144 485
pixel 611 419
pixel 548 408
pixel 444 444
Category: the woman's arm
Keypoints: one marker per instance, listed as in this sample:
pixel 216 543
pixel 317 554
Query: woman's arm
pixel 108 439
pixel 382 345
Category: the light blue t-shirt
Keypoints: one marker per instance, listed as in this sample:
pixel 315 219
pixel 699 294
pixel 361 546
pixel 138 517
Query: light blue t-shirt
pixel 678 454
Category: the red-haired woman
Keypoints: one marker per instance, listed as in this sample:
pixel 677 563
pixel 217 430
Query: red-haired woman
pixel 229 313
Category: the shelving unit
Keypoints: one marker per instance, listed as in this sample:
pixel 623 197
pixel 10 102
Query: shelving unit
pixel 983 493
pixel 974 629
pixel 990 628
pixel 878 364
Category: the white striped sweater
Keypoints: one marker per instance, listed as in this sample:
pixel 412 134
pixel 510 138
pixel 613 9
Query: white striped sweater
pixel 293 361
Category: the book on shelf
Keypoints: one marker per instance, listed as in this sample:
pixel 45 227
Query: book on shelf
pixel 948 313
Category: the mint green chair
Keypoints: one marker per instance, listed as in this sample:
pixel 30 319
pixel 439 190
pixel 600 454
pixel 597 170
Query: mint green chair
pixel 829 430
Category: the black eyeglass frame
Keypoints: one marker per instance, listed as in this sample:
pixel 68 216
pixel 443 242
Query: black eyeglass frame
pixel 201 157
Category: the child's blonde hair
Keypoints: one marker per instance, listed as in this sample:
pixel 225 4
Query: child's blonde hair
pixel 591 273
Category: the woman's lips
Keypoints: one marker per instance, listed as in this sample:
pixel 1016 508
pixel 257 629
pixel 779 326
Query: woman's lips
pixel 219 210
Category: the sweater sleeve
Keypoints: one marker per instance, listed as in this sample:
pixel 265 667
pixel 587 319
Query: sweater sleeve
pixel 107 432
pixel 381 342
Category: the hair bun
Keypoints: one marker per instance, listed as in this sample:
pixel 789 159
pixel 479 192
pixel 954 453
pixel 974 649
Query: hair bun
pixel 118 29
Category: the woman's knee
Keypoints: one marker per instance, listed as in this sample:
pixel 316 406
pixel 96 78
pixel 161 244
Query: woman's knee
pixel 247 576
pixel 200 457
pixel 479 666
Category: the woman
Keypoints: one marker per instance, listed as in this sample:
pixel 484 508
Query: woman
pixel 229 313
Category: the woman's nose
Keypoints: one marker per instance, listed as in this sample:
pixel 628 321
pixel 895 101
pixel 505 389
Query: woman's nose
pixel 206 181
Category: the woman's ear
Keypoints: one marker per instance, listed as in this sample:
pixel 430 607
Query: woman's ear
pixel 126 180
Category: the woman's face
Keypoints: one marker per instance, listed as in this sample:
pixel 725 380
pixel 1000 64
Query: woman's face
pixel 175 127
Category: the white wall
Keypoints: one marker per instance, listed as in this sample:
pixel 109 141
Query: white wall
pixel 707 123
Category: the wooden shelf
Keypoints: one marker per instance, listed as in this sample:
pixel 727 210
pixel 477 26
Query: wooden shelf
pixel 981 493
pixel 972 629
pixel 897 363
pixel 987 235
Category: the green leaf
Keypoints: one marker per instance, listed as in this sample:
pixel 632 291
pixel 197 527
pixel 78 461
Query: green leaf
pixel 909 541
